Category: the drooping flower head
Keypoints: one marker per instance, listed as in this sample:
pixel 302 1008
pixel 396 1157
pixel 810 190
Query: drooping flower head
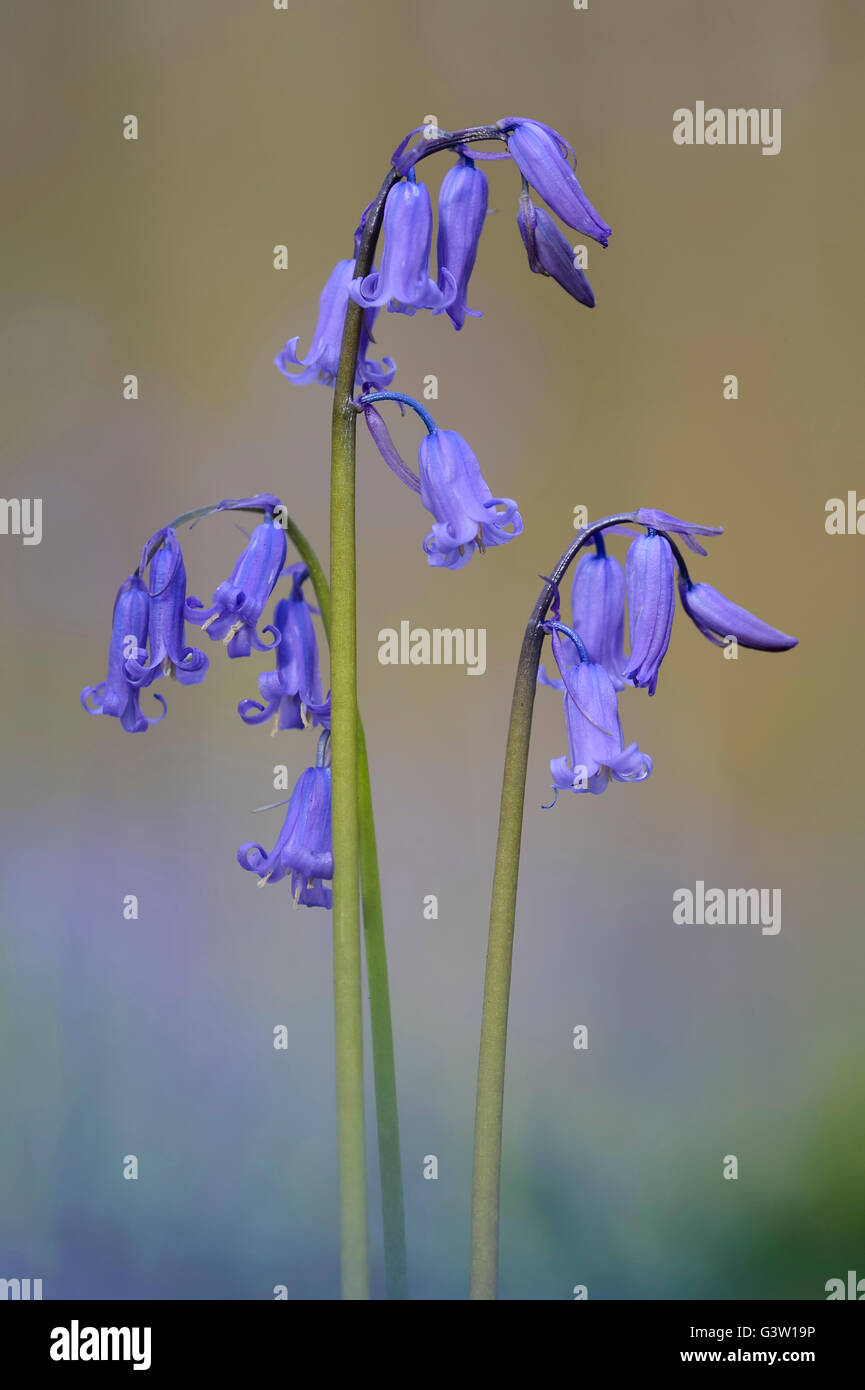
pixel 321 362
pixel 239 601
pixel 462 212
pixel 116 695
pixel 292 693
pixel 588 655
pixel 403 283
pixel 650 572
pixel 162 561
pixel 596 746
pixel 549 251
pixel 544 158
pixel 304 847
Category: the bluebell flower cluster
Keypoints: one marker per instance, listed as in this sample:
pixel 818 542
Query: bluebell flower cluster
pixel 404 282
pixel 593 668
pixel 148 642
pixel 467 518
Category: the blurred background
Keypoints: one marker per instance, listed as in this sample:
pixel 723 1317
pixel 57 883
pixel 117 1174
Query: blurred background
pixel 154 1037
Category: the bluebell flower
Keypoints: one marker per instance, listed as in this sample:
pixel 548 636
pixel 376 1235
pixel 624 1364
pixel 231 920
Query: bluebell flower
pixel 550 252
pixel 542 157
pixel 292 693
pixel 166 586
pixel 116 695
pixel 650 573
pixel 304 848
pixel 322 360
pixel 239 601
pixel 598 613
pixel 403 283
pixel 462 212
pixel 451 486
pixel 598 609
pixel 467 516
pixel 717 618
pixel 596 746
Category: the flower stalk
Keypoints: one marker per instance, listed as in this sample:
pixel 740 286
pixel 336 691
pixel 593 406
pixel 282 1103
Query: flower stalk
pixel 486 1181
pixel 348 1018
pixel 348 1022
pixel 383 1061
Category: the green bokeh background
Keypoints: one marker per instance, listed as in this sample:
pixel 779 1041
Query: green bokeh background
pixel 154 1038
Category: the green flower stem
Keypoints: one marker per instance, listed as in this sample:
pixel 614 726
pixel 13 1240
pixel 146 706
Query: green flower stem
pixel 384 1069
pixel 348 1021
pixel 497 984
pixel 348 1016
pixel 345 745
